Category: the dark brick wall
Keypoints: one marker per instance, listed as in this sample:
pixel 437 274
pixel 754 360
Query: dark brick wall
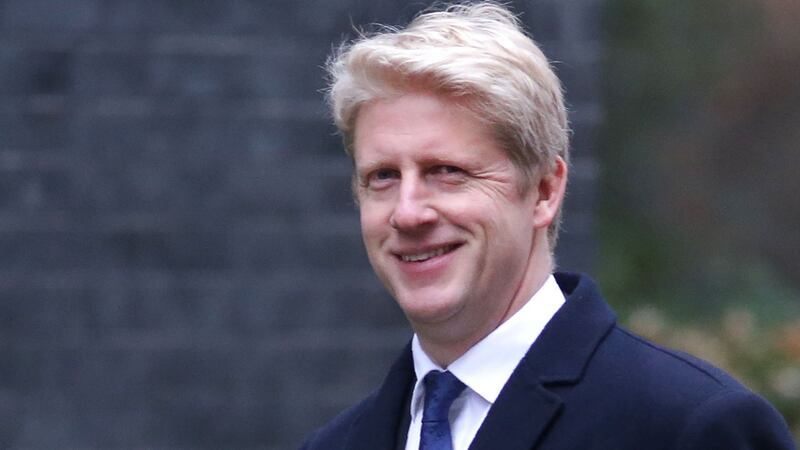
pixel 180 264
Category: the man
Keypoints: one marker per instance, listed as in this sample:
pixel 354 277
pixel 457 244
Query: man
pixel 459 139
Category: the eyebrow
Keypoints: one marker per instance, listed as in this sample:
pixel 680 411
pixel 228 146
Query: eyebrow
pixel 367 167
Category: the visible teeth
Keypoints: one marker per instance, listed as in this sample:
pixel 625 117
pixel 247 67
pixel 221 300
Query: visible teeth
pixel 425 256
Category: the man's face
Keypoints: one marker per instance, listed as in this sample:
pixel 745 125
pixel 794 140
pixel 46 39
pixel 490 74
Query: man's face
pixel 444 224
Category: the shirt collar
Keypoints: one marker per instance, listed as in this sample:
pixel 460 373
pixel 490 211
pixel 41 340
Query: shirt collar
pixel 486 367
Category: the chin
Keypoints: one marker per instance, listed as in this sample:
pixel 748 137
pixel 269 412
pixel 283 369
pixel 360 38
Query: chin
pixel 429 309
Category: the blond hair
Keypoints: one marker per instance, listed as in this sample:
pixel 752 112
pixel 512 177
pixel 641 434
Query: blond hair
pixel 475 53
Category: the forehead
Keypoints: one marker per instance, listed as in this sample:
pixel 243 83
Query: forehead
pixel 419 124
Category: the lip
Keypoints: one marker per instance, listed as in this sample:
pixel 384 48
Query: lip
pixel 430 265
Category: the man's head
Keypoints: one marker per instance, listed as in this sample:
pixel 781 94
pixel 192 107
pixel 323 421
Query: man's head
pixel 458 135
pixel 478 55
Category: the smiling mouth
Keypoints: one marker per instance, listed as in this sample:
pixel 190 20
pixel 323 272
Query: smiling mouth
pixel 420 257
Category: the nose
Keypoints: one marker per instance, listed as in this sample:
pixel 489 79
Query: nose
pixel 413 209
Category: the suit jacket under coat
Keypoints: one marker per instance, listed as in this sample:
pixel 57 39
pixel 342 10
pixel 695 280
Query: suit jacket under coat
pixel 585 384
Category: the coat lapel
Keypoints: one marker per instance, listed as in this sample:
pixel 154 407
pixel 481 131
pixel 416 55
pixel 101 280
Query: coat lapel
pixel 379 423
pixel 526 407
pixel 520 415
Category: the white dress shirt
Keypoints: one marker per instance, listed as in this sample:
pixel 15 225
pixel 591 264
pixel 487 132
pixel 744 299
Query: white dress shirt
pixel 485 368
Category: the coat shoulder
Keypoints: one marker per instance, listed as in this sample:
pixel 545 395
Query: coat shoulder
pixel 668 365
pixel 334 434
pixel 690 401
pixel 670 380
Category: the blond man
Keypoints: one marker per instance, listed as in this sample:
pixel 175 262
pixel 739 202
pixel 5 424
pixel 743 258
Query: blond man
pixel 459 138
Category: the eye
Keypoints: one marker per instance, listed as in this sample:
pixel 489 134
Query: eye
pixel 384 174
pixel 380 178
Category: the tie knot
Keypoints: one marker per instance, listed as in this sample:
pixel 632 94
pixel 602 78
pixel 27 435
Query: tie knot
pixel 441 389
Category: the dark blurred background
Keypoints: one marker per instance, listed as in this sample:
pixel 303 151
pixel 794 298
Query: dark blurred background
pixel 180 261
pixel 698 210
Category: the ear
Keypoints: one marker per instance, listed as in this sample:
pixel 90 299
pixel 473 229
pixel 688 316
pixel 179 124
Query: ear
pixel 550 190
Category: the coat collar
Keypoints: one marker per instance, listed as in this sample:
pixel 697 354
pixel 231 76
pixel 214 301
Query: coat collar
pixel 525 407
pixel 386 410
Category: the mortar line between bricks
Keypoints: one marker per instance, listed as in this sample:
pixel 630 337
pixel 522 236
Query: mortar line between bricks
pixel 284 342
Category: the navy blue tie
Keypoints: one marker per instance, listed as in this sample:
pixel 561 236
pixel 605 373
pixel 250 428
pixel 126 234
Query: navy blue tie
pixel 441 388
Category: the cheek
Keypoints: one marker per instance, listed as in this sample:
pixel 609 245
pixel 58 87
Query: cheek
pixel 506 226
pixel 481 211
pixel 373 221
